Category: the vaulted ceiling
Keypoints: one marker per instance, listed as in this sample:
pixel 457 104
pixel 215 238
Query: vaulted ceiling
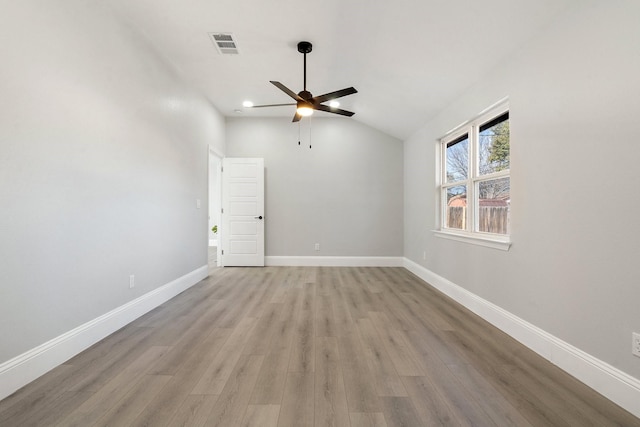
pixel 408 59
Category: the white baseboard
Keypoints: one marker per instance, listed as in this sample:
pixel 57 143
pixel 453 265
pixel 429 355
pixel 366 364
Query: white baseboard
pixel 23 369
pixel 614 384
pixel 332 261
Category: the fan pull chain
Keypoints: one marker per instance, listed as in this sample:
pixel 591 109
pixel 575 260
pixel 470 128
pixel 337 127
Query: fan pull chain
pixel 298 132
pixel 309 132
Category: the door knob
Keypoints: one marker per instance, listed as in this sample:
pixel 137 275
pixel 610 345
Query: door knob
pixel 258 217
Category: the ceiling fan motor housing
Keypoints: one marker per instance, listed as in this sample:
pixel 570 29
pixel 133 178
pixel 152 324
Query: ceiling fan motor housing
pixel 305 94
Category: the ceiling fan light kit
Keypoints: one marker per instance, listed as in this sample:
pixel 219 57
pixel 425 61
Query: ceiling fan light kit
pixel 306 103
pixel 304 109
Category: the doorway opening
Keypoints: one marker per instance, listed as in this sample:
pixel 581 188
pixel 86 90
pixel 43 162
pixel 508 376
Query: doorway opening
pixel 215 207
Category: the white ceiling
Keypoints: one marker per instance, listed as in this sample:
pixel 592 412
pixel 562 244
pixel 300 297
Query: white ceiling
pixel 408 59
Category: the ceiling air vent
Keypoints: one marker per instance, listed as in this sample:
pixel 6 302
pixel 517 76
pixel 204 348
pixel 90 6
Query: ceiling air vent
pixel 225 43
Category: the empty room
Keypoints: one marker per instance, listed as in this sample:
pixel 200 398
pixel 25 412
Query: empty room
pixel 251 213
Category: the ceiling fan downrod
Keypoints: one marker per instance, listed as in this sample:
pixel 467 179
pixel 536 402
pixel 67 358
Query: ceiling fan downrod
pixel 304 48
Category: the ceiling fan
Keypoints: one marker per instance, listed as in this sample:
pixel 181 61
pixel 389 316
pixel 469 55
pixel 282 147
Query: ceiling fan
pixel 305 101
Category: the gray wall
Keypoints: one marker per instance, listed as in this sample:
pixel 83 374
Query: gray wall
pixel 344 193
pixel 572 269
pixel 103 153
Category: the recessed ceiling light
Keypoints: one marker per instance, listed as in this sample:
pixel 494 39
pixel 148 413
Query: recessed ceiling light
pixel 334 104
pixel 247 104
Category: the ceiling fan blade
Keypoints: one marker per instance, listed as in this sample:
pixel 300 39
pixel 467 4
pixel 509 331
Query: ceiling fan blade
pixel 296 118
pixel 333 110
pixel 286 90
pixel 271 105
pixel 333 95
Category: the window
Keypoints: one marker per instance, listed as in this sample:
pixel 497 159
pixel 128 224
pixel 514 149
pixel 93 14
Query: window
pixel 475 187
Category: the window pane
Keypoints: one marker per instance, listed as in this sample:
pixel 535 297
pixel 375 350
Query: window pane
pixel 456 212
pixel 493 205
pixel 457 156
pixel 493 151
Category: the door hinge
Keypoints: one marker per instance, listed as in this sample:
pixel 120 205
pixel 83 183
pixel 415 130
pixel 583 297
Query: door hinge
pixel 222 210
pixel 221 168
pixel 223 252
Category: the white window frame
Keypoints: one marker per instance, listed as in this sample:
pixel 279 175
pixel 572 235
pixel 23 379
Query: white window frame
pixel 469 234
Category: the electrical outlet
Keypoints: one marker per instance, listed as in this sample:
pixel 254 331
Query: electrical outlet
pixel 317 246
pixel 132 281
pixel 635 349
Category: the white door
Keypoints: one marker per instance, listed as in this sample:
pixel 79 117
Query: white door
pixel 242 212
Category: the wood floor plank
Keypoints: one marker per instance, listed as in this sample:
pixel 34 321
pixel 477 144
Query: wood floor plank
pixel 330 399
pixel 282 287
pixel 464 409
pixel 343 318
pixel 309 346
pixel 232 403
pixel 494 404
pixel 403 358
pixel 297 408
pixel 272 377
pixel 580 399
pixel 171 399
pixel 425 314
pixel 384 374
pixel 215 377
pixel 549 398
pixel 89 379
pixel 192 337
pixel 360 302
pixel 108 396
pixel 400 412
pixel 372 419
pixel 193 412
pixel 325 324
pixel 109 346
pixel 273 374
pixel 360 391
pixel 310 275
pixel 266 287
pixel 260 338
pixel 397 320
pixel 324 281
pixel 540 391
pixel 261 416
pixel 35 395
pixel 46 411
pixel 432 408
pixel 302 357
pixel 429 344
pixel 303 348
pixel 134 402
pixel 243 301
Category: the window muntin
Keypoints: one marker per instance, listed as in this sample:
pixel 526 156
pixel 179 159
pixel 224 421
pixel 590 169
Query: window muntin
pixel 475 184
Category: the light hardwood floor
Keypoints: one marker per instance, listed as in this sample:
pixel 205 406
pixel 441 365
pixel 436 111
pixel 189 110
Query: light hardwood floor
pixel 309 346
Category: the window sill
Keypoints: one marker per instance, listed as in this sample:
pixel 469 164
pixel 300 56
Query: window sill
pixel 489 242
